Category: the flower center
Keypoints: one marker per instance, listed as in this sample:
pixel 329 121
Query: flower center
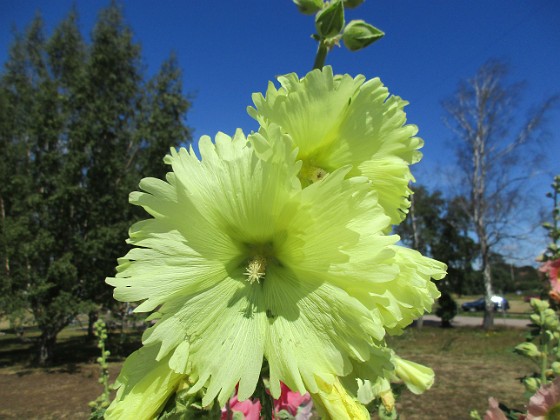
pixel 310 174
pixel 256 269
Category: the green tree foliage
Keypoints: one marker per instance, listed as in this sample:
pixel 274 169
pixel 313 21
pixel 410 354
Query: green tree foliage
pixel 439 228
pixel 458 250
pixel 509 278
pixel 79 127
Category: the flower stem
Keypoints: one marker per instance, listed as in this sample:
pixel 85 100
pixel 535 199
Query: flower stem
pixel 267 403
pixel 321 56
pixel 544 365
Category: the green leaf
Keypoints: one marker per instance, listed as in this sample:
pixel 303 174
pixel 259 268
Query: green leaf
pixel 330 21
pixel 359 34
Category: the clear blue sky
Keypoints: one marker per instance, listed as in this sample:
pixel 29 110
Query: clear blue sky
pixel 231 48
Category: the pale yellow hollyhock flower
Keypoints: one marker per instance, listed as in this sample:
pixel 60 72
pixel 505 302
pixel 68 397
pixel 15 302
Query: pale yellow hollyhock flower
pixel 332 401
pixel 336 121
pixel 144 385
pixel 245 265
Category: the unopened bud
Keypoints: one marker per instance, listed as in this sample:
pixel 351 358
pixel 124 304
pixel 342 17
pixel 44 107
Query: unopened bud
pixel 531 385
pixel 309 7
pixel 551 322
pixel 539 305
pixel 359 34
pixel 388 400
pixel 528 349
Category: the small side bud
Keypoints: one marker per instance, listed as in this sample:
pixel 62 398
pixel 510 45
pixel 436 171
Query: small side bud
pixel 536 319
pixel 539 305
pixel 532 385
pixel 309 7
pixel 359 34
pixel 330 21
pixel 528 349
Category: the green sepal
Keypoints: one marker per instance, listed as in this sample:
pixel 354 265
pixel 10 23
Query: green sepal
pixel 309 7
pixel 359 34
pixel 330 21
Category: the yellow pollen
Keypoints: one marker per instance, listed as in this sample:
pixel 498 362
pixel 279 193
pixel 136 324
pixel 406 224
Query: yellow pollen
pixel 256 269
pixel 312 174
pixel 317 174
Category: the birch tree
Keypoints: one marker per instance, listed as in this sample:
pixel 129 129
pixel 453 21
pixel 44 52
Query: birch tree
pixel 494 153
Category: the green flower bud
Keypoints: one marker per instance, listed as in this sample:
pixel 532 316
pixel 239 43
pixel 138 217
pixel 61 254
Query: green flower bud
pixel 550 319
pixel 359 34
pixel 528 349
pixel 330 21
pixel 352 3
pixel 536 319
pixel 539 305
pixel 309 7
pixel 531 385
pixel 417 378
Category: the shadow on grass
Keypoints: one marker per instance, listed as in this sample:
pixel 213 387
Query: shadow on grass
pixel 72 349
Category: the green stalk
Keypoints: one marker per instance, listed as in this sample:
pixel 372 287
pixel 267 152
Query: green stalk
pixel 544 364
pixel 321 56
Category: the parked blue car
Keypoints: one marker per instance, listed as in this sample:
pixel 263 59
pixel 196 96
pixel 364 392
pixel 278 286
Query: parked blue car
pixel 500 304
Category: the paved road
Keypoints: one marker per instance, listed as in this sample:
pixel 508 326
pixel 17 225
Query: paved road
pixel 462 321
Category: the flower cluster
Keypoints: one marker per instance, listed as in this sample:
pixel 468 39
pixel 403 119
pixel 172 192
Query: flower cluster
pixel 275 249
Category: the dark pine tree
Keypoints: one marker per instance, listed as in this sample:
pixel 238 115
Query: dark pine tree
pixel 79 128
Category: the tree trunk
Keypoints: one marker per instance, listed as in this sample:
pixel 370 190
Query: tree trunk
pixel 47 342
pixel 488 321
pixel 445 323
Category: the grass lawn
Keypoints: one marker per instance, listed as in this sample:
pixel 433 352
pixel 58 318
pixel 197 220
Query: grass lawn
pixel 470 366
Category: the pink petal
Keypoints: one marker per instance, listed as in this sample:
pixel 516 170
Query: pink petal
pixel 494 412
